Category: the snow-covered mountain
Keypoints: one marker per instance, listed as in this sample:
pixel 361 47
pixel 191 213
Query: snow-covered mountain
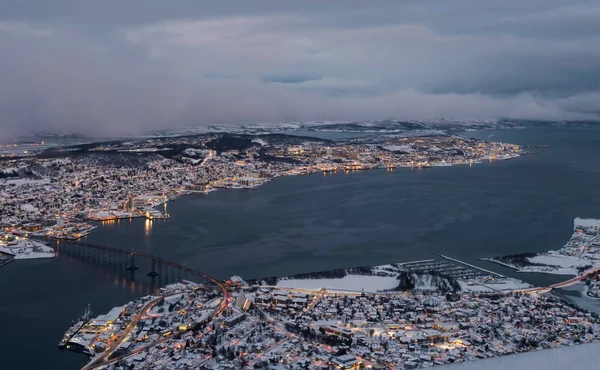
pixel 423 127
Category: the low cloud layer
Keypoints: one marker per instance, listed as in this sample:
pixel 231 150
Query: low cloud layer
pixel 114 68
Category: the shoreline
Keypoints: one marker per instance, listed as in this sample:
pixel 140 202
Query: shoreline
pixel 578 258
pixel 310 173
pixel 28 249
pixel 493 260
pixel 6 261
pixel 445 274
pixel 253 169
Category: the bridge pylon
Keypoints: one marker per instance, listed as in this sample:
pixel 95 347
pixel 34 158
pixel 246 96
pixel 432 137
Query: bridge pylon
pixel 132 266
pixel 153 272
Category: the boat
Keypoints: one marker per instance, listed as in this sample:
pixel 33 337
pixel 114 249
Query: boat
pixel 74 329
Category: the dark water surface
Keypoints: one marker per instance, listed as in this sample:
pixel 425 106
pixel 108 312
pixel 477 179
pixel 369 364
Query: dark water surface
pixel 309 223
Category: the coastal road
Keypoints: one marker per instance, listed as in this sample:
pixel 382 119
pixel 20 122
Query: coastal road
pixel 104 358
pixel 576 279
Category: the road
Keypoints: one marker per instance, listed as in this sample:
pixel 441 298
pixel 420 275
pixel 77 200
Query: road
pixel 563 284
pixel 104 358
pixel 109 351
pixel 576 279
pixel 320 295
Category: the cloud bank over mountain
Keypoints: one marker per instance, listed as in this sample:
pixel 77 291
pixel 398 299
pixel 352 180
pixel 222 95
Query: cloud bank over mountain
pixel 113 67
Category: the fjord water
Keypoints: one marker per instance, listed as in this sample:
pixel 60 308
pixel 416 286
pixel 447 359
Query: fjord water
pixel 310 223
pixel 306 223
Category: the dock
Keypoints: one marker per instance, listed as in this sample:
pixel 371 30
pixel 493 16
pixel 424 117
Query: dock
pixel 6 261
pixel 471 266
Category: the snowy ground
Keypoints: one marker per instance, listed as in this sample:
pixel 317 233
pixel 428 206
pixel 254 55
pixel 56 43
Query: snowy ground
pixel 19 182
pixel 260 141
pixel 550 263
pixel 581 252
pixel 399 148
pixel 373 284
pixel 555 263
pixel 498 285
pixel 580 357
pixel 369 284
pixel 587 222
pixel 466 286
pixel 28 249
pixel 385 278
pixel 577 295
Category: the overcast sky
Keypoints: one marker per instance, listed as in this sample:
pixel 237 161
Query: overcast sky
pixel 113 67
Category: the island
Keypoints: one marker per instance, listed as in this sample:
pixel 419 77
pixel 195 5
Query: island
pixel 401 315
pixel 61 192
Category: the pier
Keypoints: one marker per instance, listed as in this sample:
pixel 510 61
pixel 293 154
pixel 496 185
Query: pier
pixel 4 262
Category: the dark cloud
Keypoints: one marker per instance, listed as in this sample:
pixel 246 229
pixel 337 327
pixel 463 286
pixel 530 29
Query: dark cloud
pixel 291 78
pixel 120 67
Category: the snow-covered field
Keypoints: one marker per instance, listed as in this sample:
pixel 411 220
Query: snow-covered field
pixel 196 152
pixel 20 182
pixel 555 263
pixel 28 249
pixel 260 141
pixel 587 222
pixel 499 285
pixel 387 277
pixel 369 284
pixel 579 255
pixel 399 148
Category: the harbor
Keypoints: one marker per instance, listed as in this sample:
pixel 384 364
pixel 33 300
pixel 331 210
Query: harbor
pixel 67 341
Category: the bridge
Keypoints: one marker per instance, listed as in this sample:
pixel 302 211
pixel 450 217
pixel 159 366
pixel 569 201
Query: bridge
pixel 126 258
pixel 119 256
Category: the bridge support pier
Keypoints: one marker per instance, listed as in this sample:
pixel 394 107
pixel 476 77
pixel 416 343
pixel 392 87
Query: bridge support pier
pixel 132 266
pixel 153 271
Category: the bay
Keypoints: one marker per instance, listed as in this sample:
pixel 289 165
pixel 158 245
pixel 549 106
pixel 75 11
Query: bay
pixel 319 222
